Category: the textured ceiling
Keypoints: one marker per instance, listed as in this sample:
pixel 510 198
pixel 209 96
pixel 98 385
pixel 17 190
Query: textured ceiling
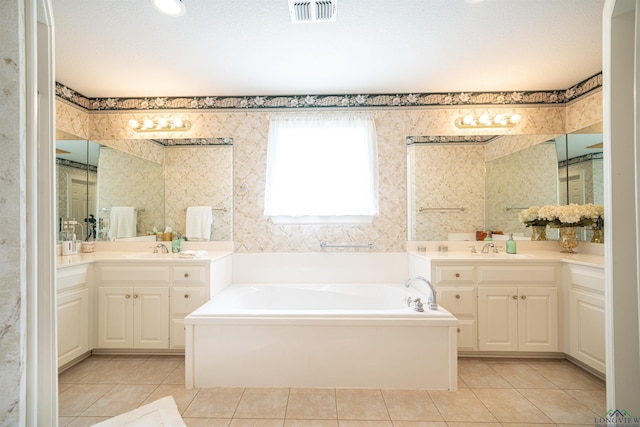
pixel 125 48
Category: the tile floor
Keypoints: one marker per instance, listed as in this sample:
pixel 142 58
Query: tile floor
pixel 492 392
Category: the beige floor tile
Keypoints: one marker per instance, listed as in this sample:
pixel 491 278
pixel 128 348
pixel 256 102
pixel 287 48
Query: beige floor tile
pixel 77 398
pixel 508 405
pixel 263 403
pixel 410 405
pixel 481 376
pixel 520 375
pixel 256 423
pixel 152 371
pixel 113 371
pixel 461 383
pixel 64 421
pixel 559 406
pixel 86 421
pixel 176 376
pixel 419 424
pixel 360 423
pixel 529 425
pixel 462 406
pixel 471 361
pixel 214 403
pixel 312 404
pixel 310 423
pixel 356 404
pixel 63 386
pixel 182 395
pixel 567 376
pixel 596 400
pixel 82 369
pixel 206 422
pixel 471 424
pixel 121 398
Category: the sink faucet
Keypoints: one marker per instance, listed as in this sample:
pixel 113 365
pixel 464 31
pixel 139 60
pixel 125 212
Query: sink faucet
pixel 162 247
pixel 432 299
pixel 485 248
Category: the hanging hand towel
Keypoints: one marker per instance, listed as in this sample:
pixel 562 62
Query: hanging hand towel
pixel 123 221
pixel 199 220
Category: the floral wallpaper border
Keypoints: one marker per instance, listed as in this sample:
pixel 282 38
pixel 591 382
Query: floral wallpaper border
pixel 76 165
pixel 328 101
pixel 468 139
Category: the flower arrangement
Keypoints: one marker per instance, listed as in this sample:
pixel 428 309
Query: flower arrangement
pixel 571 215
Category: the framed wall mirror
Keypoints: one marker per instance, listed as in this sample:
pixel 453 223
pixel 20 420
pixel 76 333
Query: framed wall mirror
pixel 94 176
pixel 457 187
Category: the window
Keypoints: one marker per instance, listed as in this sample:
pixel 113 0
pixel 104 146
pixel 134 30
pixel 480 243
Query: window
pixel 322 169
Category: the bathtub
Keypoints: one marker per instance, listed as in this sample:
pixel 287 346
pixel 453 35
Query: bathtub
pixel 320 335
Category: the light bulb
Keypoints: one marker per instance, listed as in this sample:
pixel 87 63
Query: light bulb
pixel 178 123
pixel 483 118
pixel 162 123
pixel 468 119
pixel 134 124
pixel 170 7
pixel 147 124
pixel 499 118
pixel 515 118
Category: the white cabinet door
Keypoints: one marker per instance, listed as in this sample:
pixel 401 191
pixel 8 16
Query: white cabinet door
pixel 497 319
pixel 73 325
pixel 587 340
pixel 115 317
pixel 537 319
pixel 151 317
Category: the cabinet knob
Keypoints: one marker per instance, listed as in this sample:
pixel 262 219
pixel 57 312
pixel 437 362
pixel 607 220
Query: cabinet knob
pixel 127 296
pixel 186 295
pixel 135 296
pixel 457 296
pixel 458 330
pixel 515 297
pixel 186 274
pixel 523 297
pixel 457 274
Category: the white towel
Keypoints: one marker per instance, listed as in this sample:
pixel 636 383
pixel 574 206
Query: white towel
pixel 199 220
pixel 123 221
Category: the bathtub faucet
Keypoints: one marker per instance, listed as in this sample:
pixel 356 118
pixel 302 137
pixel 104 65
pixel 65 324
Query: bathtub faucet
pixel 432 299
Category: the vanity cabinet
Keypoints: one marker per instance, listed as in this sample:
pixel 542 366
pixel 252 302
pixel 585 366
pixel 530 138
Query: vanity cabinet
pixel 586 316
pixel 72 312
pixel 143 306
pixel 518 307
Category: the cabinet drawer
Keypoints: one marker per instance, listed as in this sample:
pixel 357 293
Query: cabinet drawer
pixel 454 274
pixel 185 299
pixel 589 278
pixel 133 274
pixel 458 301
pixel 189 274
pixel 69 277
pixel 467 335
pixel 518 274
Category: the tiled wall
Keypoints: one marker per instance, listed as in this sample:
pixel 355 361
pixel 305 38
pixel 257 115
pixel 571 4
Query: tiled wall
pixel 253 232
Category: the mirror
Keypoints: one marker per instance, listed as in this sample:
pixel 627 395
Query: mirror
pixel 453 190
pixel 92 178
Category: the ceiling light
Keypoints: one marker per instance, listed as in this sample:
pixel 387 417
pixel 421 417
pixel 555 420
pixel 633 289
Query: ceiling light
pixel 160 125
pixel 486 121
pixel 170 7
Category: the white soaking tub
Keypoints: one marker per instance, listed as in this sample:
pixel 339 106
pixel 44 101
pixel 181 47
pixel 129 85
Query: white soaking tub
pixel 320 335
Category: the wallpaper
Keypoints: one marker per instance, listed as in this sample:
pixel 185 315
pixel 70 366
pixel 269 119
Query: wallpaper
pixel 459 169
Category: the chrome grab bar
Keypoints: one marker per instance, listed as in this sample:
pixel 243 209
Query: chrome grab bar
pixel 323 245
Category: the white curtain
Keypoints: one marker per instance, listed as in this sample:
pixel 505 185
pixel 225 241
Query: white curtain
pixel 322 165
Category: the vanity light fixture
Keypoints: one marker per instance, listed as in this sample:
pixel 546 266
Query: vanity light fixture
pixel 486 121
pixel 160 125
pixel 170 7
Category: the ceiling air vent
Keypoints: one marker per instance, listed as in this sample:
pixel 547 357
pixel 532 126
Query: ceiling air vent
pixel 302 12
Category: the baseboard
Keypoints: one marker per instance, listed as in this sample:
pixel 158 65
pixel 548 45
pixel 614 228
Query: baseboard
pixel 136 352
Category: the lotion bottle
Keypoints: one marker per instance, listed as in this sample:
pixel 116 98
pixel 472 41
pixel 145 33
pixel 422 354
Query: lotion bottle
pixel 511 245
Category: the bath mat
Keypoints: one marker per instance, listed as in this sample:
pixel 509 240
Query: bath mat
pixel 161 413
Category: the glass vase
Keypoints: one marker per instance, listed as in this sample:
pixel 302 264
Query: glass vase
pixel 568 239
pixel 538 232
pixel 598 235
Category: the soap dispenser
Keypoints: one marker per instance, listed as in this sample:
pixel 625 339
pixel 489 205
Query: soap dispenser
pixel 511 245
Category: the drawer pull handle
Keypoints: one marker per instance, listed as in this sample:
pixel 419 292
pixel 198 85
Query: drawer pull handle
pixel 135 296
pixel 515 297
pixel 186 274
pixel 523 297
pixel 127 296
pixel 457 274
pixel 186 295
pixel 457 296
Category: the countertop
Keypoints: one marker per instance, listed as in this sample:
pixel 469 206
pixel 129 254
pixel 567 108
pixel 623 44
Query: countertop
pixel 126 256
pixel 590 260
